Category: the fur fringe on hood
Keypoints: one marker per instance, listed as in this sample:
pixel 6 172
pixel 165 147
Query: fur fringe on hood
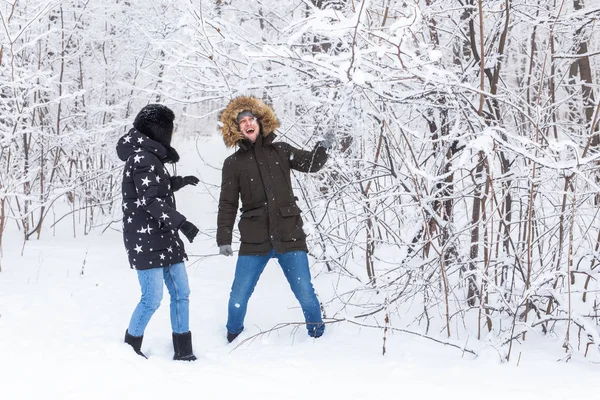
pixel 264 113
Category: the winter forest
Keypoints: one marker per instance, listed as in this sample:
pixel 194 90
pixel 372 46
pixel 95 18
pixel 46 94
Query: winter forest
pixel 462 192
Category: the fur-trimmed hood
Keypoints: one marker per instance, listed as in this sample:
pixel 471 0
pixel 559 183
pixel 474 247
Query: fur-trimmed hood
pixel 264 113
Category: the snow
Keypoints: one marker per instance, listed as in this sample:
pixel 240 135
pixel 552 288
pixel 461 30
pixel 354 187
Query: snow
pixel 65 304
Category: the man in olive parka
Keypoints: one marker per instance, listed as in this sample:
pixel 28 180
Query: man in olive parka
pixel 270 224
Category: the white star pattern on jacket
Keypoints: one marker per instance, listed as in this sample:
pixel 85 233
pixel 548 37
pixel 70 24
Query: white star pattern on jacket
pixel 151 238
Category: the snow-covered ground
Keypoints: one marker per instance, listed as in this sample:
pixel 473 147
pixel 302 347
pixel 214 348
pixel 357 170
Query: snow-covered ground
pixel 65 304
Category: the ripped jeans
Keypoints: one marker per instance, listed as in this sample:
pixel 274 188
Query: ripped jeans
pixel 295 268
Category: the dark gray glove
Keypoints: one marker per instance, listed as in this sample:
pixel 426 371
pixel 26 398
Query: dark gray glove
pixel 190 180
pixel 328 140
pixel 177 182
pixel 189 230
pixel 226 250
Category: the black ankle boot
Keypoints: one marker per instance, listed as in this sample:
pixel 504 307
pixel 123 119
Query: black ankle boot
pixel 135 342
pixel 231 336
pixel 182 344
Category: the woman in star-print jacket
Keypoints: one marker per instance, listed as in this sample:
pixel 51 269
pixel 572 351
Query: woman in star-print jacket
pixel 151 224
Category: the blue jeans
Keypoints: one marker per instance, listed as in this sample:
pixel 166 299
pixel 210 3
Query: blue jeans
pixel 151 283
pixel 295 267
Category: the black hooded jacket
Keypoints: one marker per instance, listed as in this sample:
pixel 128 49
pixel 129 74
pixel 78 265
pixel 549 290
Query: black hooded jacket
pixel 150 220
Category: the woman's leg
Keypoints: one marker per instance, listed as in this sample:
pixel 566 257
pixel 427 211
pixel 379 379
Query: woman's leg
pixel 151 284
pixel 176 279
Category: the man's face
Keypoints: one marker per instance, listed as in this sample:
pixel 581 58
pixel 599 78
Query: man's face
pixel 249 128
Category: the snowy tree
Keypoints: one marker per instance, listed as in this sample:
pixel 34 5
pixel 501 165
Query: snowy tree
pixel 462 190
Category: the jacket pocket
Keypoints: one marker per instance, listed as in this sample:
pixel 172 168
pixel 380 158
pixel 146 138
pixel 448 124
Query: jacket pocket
pixel 290 224
pixel 254 226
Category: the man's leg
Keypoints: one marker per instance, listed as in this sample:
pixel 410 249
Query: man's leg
pixel 295 267
pixel 247 273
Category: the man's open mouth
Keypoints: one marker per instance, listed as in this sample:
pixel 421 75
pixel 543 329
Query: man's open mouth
pixel 249 131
